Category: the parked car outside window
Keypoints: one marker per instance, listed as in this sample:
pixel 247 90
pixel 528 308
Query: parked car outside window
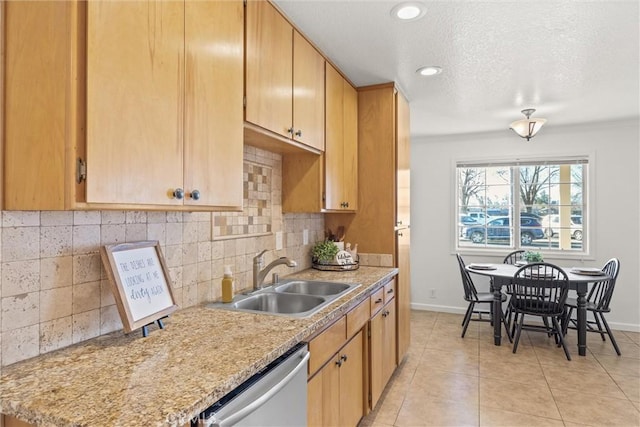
pixel 479 217
pixel 464 222
pixel 499 229
pixel 551 225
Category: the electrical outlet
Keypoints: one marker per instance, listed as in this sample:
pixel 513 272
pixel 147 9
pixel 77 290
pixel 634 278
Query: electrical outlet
pixel 305 237
pixel 432 293
pixel 278 240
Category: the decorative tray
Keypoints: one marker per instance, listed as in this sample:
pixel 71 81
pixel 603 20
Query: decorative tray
pixel 335 266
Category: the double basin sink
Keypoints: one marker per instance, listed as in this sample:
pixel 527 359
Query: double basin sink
pixel 293 298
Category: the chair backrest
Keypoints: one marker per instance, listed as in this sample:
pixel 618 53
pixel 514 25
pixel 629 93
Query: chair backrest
pixel 540 288
pixel 470 292
pixel 601 292
pixel 513 257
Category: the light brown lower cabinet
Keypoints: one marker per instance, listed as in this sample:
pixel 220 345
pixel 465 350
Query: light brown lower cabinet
pixel 382 349
pixel 336 392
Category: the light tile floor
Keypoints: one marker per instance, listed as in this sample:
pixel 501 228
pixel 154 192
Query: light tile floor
pixel 446 380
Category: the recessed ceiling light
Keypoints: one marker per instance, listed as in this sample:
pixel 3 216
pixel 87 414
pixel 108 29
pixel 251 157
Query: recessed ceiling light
pixel 408 11
pixel 431 70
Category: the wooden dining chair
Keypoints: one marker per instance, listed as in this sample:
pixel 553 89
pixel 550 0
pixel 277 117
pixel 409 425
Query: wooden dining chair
pixel 540 289
pixel 514 257
pixel 473 297
pixel 511 258
pixel 598 301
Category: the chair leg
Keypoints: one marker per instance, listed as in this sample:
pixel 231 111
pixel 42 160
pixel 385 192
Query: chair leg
pixel 506 327
pixel 467 318
pixel 464 319
pixel 567 320
pixel 595 316
pixel 613 340
pixel 561 337
pixel 516 340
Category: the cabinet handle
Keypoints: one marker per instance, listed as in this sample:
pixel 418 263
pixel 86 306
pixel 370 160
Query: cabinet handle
pixel 390 291
pixel 290 131
pixel 385 313
pixel 178 193
pixel 343 357
pixel 195 195
pixel 346 204
pixel 378 301
pixel 400 233
pixel 298 132
pixel 339 363
pixel 399 223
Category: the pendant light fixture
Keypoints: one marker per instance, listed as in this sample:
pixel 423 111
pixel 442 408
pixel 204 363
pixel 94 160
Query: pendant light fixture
pixel 527 128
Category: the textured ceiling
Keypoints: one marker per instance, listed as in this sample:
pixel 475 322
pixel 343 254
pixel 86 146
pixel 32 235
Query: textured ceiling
pixel 574 61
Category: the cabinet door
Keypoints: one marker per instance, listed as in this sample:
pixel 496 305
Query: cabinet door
pixel 333 155
pixel 214 32
pixel 403 294
pixel 269 69
pixel 135 87
pixel 308 93
pixel 350 145
pixel 389 341
pixel 331 393
pixel 314 401
pixel 382 349
pixel 341 151
pixel 403 147
pixel 352 382
pixel 38 82
pixel 376 358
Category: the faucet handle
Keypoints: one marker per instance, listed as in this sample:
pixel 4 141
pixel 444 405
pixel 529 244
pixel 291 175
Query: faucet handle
pixel 259 256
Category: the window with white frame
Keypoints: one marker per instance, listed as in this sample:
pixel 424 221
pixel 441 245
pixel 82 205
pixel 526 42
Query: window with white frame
pixel 548 197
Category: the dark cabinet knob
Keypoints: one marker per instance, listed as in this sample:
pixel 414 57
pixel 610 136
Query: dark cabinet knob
pixel 178 193
pixel 343 357
pixel 195 195
pixel 290 131
pixel 378 301
pixel 298 133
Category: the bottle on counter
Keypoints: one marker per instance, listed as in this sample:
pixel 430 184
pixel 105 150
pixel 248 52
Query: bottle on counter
pixel 227 284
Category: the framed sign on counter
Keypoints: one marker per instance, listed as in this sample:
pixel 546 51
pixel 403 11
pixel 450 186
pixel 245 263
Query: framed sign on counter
pixel 140 282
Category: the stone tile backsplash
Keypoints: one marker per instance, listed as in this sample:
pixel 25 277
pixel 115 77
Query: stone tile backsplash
pixel 54 291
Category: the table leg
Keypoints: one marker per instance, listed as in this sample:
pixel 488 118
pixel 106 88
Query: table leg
pixel 497 311
pixel 582 319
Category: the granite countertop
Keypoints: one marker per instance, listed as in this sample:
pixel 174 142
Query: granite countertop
pixel 170 376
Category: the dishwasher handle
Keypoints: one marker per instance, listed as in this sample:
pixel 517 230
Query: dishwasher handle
pixel 235 417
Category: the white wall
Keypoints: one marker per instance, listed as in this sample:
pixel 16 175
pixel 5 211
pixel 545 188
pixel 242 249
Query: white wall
pixel 614 202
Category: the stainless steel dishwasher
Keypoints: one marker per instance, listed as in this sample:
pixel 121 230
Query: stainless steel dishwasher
pixel 275 396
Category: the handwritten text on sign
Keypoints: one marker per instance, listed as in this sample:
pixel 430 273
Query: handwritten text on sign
pixel 143 281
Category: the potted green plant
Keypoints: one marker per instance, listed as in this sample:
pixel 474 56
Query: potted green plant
pixel 324 252
pixel 532 256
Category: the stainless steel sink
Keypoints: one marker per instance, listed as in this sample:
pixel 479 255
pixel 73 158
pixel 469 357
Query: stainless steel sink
pixel 274 302
pixel 312 287
pixel 292 298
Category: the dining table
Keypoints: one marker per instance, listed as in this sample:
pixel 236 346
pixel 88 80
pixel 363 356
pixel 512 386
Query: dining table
pixel 579 280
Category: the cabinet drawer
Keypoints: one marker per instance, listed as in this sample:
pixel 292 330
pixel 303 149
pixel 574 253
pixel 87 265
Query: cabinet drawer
pixel 326 344
pixel 389 291
pixel 377 301
pixel 357 317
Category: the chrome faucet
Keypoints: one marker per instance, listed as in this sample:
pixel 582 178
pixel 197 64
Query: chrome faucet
pixel 260 273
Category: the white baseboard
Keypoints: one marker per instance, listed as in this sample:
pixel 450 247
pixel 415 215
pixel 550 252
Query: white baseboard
pixel 461 310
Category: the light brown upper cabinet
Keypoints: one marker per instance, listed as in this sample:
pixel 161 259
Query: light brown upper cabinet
pixel 141 105
pixel 341 150
pixel 284 81
pixel 328 183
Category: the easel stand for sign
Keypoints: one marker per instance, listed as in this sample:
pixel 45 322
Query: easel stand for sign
pixel 145 328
